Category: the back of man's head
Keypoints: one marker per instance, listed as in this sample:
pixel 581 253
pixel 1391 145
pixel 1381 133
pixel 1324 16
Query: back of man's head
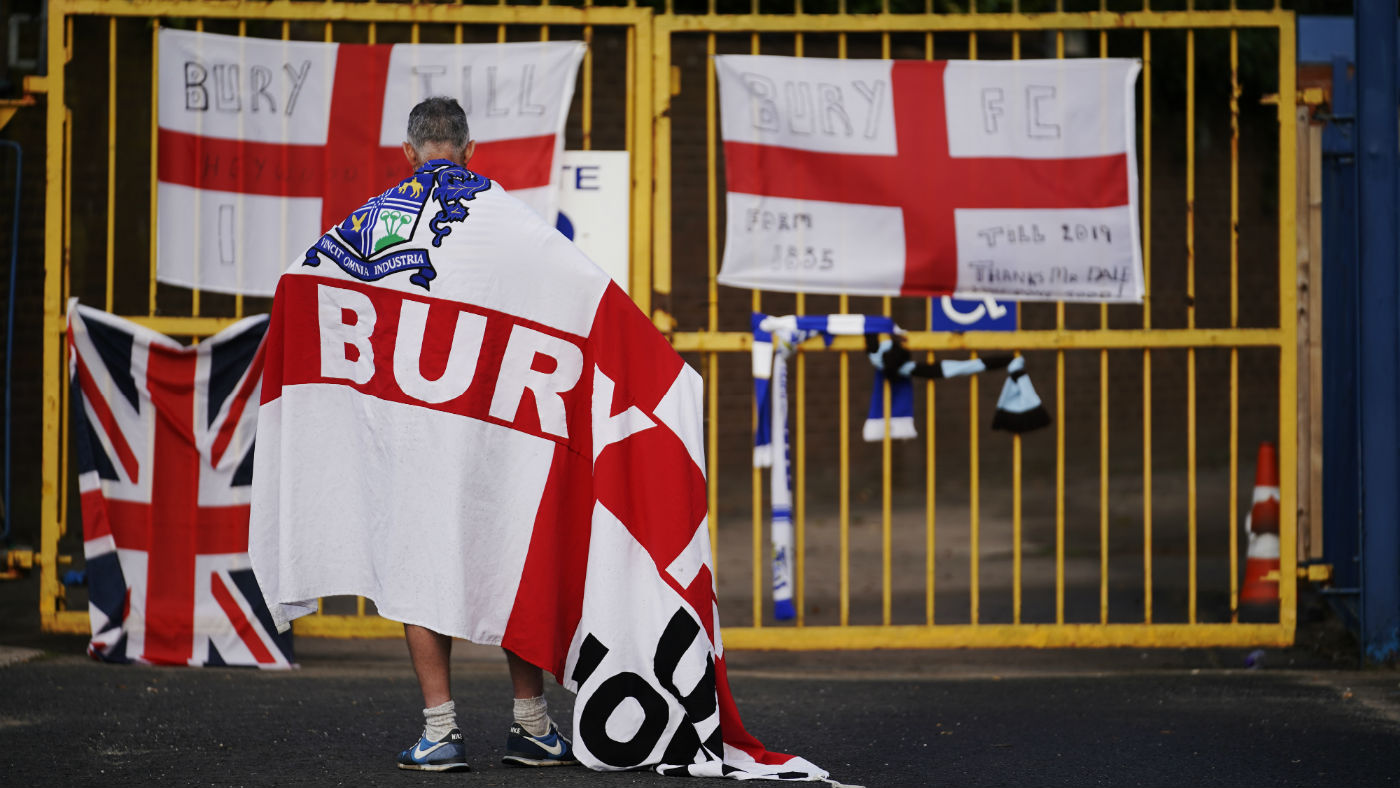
pixel 438 122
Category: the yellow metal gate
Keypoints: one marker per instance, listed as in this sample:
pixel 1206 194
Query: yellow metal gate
pixel 1118 526
pixel 881 582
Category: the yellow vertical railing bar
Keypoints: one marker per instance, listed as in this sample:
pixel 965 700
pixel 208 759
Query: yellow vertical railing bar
pixel 1060 484
pixel 155 152
pixel 886 467
pixel 67 281
pixel 1103 423
pixel 1147 323
pixel 1016 529
pixel 1016 519
pixel 845 482
pixel 1288 322
pixel 973 483
pixel 756 545
pixel 195 290
pixel 886 493
pixel 1191 320
pixel 756 299
pixel 844 423
pixel 930 498
pixel 712 305
pixel 1015 444
pixel 1103 486
pixel 712 457
pixel 1234 319
pixel 111 158
pixel 49 588
pixel 238 296
pixel 629 106
pixel 651 155
pixel 974 513
pixel 1059 422
pixel 799 499
pixel 1016 34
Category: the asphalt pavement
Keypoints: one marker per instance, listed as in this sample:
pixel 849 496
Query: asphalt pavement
pixel 1299 716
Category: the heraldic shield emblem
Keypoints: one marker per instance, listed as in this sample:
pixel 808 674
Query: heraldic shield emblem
pixel 369 244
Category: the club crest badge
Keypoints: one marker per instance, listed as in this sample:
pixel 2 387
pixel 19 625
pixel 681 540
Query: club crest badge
pixel 376 240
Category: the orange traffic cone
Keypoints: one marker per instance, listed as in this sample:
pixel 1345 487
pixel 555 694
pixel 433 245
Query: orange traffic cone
pixel 1261 524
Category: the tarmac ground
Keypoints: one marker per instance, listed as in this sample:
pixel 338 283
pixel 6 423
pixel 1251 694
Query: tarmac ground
pixel 1299 716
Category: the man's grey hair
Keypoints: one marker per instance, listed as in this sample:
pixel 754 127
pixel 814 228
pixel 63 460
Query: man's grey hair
pixel 438 119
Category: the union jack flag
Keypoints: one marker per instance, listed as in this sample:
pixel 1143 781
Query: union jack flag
pixel 164 446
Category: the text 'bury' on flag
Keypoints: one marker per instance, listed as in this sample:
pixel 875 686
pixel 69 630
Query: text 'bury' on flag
pixel 263 144
pixel 979 179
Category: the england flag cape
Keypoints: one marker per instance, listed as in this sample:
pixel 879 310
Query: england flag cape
pixel 465 421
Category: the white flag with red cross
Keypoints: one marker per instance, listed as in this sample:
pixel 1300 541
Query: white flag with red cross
pixel 981 179
pixel 264 144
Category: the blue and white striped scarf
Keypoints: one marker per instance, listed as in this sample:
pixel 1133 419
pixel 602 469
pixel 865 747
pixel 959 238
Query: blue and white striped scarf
pixel 775 339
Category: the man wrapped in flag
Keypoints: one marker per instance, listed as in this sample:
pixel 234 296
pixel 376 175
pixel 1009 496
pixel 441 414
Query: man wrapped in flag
pixel 466 421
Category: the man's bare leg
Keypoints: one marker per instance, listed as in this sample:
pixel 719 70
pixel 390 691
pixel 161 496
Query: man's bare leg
pixel 441 747
pixel 431 653
pixel 534 740
pixel 527 680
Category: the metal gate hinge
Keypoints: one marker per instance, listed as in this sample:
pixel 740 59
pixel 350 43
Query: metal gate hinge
pixel 1311 97
pixel 1313 573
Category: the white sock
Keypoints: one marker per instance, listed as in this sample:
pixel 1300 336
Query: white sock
pixel 439 720
pixel 533 715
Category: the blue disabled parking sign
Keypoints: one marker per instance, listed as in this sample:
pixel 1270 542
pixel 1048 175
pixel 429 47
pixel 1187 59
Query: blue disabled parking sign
pixel 986 314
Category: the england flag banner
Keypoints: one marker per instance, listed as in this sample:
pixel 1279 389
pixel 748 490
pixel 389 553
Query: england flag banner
pixel 474 427
pixel 264 144
pixel 977 179
pixel 164 447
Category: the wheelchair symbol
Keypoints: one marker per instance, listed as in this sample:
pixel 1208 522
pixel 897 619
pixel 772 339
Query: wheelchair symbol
pixel 988 308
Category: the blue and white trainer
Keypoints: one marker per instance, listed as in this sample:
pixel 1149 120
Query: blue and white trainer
pixel 448 755
pixel 551 749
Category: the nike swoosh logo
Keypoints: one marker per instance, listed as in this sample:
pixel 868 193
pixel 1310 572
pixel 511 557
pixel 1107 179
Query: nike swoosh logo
pixel 556 749
pixel 420 753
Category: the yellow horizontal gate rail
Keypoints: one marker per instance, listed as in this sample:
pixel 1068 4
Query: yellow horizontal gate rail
pixel 629 22
pixel 791 35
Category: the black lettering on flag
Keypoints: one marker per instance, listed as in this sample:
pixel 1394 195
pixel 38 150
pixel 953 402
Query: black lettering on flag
pixel 680 633
pixel 600 707
pixel 260 78
pixel 590 654
pixel 196 95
